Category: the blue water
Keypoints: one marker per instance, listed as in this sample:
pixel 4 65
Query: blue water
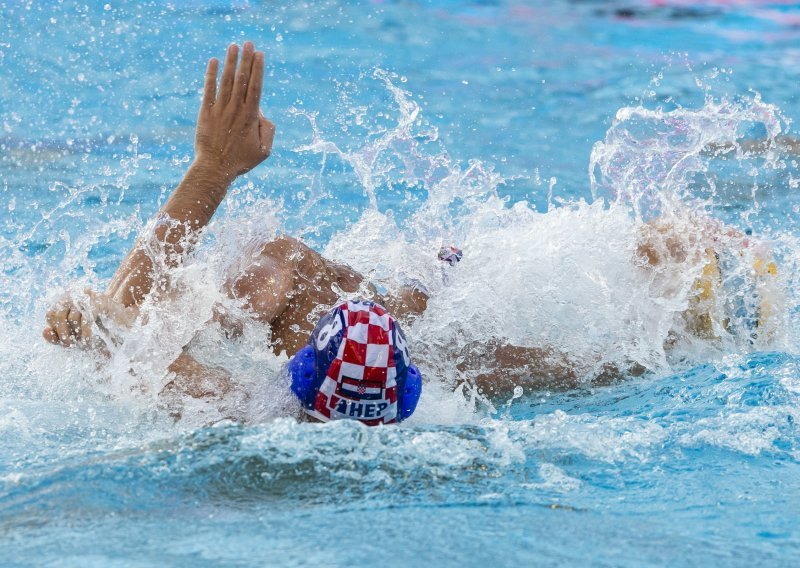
pixel 402 125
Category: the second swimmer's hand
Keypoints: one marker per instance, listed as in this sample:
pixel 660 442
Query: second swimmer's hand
pixel 233 136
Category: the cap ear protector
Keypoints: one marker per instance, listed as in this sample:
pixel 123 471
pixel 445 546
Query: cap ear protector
pixel 303 372
pixel 302 369
pixel 408 393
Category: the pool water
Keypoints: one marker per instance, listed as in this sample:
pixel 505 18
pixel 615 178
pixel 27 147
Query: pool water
pixel 539 137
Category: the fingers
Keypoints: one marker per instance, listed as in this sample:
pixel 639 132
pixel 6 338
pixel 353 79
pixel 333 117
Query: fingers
pixel 256 81
pixel 86 330
pixel 74 320
pixel 59 326
pixel 228 74
pixel 49 335
pixel 245 70
pixel 210 88
pixel 66 325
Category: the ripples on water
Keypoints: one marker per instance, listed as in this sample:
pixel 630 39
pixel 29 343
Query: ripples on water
pixel 697 459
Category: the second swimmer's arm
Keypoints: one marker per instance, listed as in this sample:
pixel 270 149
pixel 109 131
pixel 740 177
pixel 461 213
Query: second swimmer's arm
pixel 232 138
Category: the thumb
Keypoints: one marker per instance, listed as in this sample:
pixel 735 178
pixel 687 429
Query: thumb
pixel 266 133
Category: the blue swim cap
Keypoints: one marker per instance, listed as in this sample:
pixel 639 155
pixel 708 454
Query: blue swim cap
pixel 356 365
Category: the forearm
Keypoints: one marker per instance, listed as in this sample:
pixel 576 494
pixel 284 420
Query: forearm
pixel 194 201
pixel 497 367
pixel 180 220
pixel 197 380
pixel 232 138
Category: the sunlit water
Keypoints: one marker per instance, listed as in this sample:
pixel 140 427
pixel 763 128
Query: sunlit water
pixel 540 140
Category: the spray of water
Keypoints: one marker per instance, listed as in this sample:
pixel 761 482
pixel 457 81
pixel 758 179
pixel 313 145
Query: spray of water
pixel 573 279
pixel 660 162
pixel 578 278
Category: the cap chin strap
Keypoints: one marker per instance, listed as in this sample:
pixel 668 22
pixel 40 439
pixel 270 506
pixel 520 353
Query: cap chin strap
pixel 302 369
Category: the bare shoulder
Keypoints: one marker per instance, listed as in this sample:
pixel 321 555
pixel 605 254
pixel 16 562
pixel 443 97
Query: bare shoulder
pixel 281 256
pixel 286 277
pixel 311 267
pixel 291 252
pixel 284 249
pixel 266 281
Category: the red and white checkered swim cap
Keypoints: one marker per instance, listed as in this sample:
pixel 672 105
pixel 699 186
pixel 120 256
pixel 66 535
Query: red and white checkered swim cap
pixel 362 351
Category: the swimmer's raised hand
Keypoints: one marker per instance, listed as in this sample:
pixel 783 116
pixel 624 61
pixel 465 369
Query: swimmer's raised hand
pixel 233 136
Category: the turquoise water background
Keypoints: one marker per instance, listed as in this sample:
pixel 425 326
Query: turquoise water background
pixel 698 464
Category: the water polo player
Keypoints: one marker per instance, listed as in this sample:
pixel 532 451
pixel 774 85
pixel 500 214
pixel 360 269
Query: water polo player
pixel 361 371
pixel 353 362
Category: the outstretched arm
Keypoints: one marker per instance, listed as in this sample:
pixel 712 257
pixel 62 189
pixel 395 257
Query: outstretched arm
pixel 232 138
pixel 497 368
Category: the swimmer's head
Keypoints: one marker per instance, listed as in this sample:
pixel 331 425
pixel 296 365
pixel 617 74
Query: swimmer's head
pixel 356 365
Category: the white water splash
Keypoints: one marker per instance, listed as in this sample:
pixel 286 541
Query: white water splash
pixel 570 279
pixel 655 160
